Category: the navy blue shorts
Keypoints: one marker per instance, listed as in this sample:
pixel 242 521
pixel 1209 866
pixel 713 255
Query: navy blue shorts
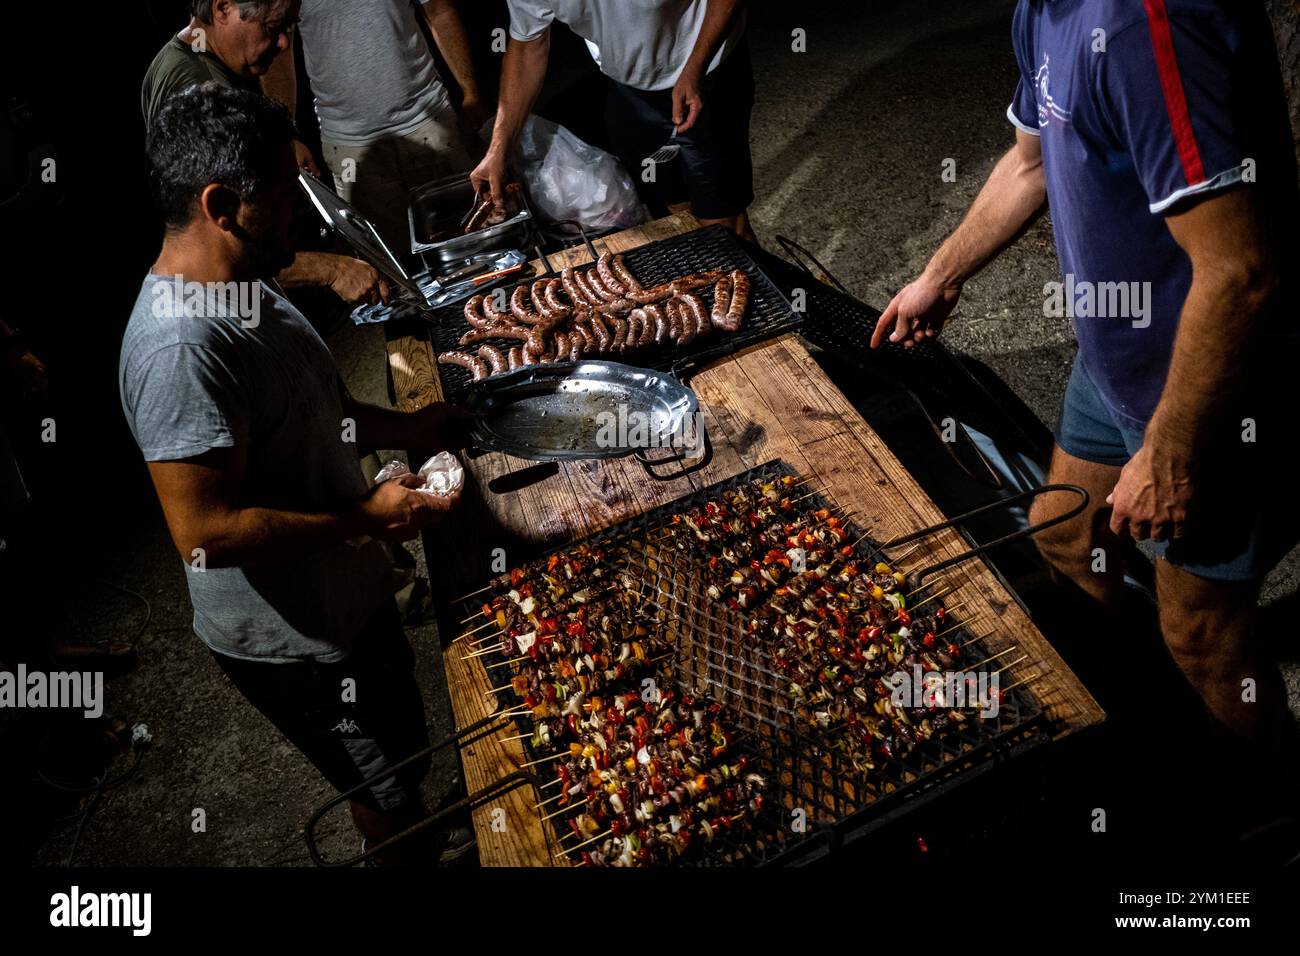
pixel 714 169
pixel 1243 524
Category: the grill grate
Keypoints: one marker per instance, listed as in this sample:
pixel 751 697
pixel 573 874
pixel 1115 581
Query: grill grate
pixel 712 247
pixel 804 769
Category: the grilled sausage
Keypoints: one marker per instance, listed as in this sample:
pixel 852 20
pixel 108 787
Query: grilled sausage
pixel 474 312
pixel 574 291
pixel 515 357
pixel 495 360
pixel 661 326
pixel 696 313
pixel 561 345
pixel 472 362
pixel 497 330
pixel 527 358
pixel 685 321
pixel 624 275
pixel 603 338
pixel 495 312
pixel 605 269
pixel 739 299
pixel 537 291
pixel 575 348
pixel 521 306
pixel 721 302
pixel 620 334
pixel 552 294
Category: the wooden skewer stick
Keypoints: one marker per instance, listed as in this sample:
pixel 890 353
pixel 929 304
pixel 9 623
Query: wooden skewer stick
pixel 898 559
pixel 987 659
pixel 533 763
pixel 1021 682
pixel 926 600
pixel 561 811
pixel 978 637
pixel 516 712
pixel 958 625
pixel 932 582
pixel 465 597
pixel 519 737
pixel 550 801
pixel 497 690
pixel 547 786
pixel 491 623
pixel 482 652
pixel 513 660
pixel 1012 664
pixel 478 613
pixel 598 836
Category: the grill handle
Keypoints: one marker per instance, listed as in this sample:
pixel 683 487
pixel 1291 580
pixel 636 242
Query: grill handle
pixel 982 549
pixel 479 797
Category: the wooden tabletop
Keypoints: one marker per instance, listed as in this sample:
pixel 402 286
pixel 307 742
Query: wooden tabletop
pixel 771 401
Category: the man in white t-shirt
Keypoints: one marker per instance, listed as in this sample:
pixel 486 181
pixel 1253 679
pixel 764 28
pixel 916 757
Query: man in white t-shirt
pixel 675 65
pixel 387 123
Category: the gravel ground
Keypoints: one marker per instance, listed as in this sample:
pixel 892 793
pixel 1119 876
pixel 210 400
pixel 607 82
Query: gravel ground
pixel 849 139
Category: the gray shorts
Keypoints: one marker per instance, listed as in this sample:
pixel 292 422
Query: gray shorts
pixel 378 178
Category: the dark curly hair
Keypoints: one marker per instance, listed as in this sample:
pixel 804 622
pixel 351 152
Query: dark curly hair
pixel 214 134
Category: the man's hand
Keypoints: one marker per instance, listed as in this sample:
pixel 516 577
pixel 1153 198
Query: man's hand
pixel 303 157
pixel 355 281
pixel 687 99
pixel 395 511
pixel 490 174
pixel 916 313
pixel 1153 496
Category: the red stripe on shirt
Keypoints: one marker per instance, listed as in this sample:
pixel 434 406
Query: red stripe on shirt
pixel 1171 82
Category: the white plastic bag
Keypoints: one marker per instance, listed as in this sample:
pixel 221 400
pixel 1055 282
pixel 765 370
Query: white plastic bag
pixel 443 474
pixel 569 179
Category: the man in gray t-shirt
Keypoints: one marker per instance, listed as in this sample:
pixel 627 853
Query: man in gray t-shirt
pixel 387 124
pixel 251 442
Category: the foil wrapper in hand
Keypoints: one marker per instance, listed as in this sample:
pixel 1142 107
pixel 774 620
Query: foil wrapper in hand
pixel 442 474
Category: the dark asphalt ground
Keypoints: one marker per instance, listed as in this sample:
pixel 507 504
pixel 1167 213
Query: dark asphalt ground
pixel 848 142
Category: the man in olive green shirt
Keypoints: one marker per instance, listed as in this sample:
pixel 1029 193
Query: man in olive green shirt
pixel 233 43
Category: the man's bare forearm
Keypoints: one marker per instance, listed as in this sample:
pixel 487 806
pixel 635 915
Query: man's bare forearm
pixel 523 69
pixel 309 269
pixel 259 535
pixel 1014 195
pixel 717 20
pixel 449 33
pixel 1210 355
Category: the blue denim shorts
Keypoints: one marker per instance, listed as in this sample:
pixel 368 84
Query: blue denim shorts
pixel 1236 535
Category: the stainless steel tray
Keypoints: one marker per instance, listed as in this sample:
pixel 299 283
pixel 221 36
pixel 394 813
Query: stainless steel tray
pixel 589 409
pixel 440 205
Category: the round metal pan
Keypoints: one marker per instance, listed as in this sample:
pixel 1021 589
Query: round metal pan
pixel 588 409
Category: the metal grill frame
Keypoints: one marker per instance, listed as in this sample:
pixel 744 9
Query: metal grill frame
pixel 710 247
pixel 803 771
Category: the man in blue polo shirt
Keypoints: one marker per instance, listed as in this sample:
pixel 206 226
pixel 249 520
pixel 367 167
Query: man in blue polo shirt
pixel 1157 133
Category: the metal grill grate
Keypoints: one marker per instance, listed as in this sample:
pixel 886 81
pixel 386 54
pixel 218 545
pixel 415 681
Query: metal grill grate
pixel 712 247
pixel 804 769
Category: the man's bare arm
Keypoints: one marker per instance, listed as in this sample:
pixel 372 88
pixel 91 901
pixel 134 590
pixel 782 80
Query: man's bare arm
pixel 687 98
pixel 523 69
pixel 449 33
pixel 1012 198
pixel 1233 278
pixel 200 500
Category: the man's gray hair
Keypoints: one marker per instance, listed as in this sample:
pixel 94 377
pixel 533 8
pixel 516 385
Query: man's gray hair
pixel 248 9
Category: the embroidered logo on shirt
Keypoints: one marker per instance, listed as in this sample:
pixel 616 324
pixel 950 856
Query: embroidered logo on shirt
pixel 1048 109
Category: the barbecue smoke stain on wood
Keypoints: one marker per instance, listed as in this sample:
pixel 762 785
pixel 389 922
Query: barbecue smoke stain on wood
pixel 770 400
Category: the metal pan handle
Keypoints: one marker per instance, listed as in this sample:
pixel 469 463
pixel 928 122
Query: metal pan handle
pixel 1005 539
pixel 649 464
